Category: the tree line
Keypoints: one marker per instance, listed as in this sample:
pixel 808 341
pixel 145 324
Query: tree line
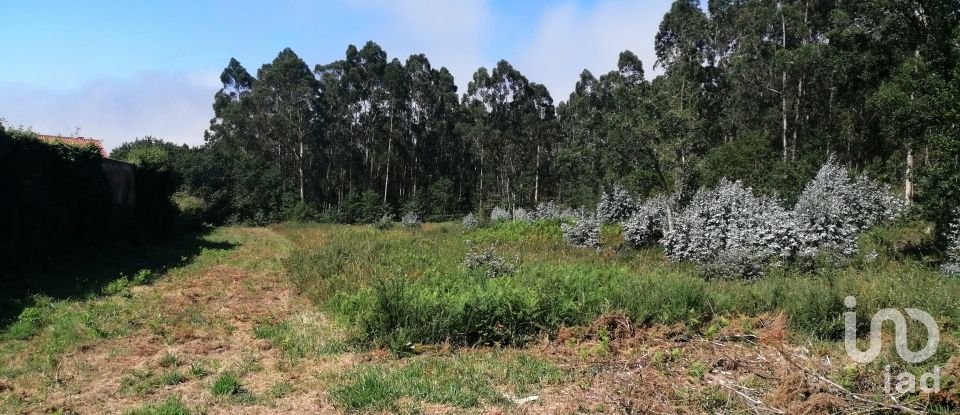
pixel 760 91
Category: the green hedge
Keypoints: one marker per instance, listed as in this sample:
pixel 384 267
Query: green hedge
pixel 56 202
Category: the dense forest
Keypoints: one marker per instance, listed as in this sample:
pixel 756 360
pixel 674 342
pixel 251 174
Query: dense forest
pixel 760 91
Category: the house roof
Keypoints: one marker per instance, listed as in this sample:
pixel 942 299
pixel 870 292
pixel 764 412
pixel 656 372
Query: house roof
pixel 75 141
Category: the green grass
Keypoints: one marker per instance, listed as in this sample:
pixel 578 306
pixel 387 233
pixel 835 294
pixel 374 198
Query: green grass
pixel 227 384
pixel 197 371
pixel 111 271
pixel 169 360
pixel 96 305
pixel 172 406
pixel 139 382
pixel 399 286
pixel 306 334
pixel 463 381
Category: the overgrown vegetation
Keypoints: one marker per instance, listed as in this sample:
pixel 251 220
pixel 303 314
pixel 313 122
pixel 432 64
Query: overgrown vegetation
pixel 401 287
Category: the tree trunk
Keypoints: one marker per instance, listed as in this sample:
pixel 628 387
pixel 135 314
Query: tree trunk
pixel 536 181
pixel 796 119
pixel 481 173
pixel 386 179
pixel 783 82
pixel 300 169
pixel 908 179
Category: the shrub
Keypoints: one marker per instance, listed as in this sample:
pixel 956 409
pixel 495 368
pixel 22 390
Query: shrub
pixel 939 184
pixel 573 214
pixel 584 234
pixel 488 263
pixel 192 209
pixel 301 212
pixel 411 220
pixel 648 223
pixel 332 215
pixel 737 262
pixel 443 196
pixel 728 226
pixel 470 221
pixel 521 214
pixel 385 222
pixel 364 207
pixel 547 211
pixel 952 265
pixel 499 214
pixel 615 205
pixel 835 208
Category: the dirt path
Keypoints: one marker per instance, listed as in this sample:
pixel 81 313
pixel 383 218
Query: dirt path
pixel 197 324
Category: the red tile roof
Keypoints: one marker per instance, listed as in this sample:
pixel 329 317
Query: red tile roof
pixel 74 141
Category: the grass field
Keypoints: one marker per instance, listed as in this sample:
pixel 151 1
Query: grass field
pixel 339 319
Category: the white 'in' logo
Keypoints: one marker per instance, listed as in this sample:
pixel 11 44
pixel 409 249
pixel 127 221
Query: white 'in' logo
pixel 900 326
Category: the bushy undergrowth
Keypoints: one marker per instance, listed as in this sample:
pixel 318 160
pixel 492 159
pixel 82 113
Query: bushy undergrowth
pixel 648 223
pixel 731 232
pixel 615 205
pixel 385 222
pixel 835 208
pixel 547 211
pixel 499 214
pixel 585 233
pixel 488 263
pixel 951 266
pixel 521 214
pixel 412 288
pixel 411 220
pixel 470 221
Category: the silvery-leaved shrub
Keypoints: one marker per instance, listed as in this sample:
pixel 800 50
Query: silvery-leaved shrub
pixel 499 214
pixel 952 265
pixel 648 223
pixel 835 208
pixel 488 263
pixel 411 220
pixel 521 215
pixel 574 214
pixel 385 222
pixel 547 211
pixel 470 221
pixel 585 233
pixel 615 205
pixel 727 228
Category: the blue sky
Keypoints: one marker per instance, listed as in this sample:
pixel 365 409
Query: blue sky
pixel 123 69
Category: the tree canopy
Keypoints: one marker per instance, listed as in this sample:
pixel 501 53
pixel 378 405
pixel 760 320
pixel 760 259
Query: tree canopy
pixel 760 91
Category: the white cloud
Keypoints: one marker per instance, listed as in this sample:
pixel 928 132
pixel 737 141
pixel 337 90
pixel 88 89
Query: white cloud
pixel 569 39
pixel 176 108
pixel 451 33
pixel 457 34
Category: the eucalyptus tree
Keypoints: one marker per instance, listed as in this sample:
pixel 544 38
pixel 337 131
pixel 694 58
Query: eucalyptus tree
pixel 683 49
pixel 509 115
pixel 286 101
pixel 231 125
